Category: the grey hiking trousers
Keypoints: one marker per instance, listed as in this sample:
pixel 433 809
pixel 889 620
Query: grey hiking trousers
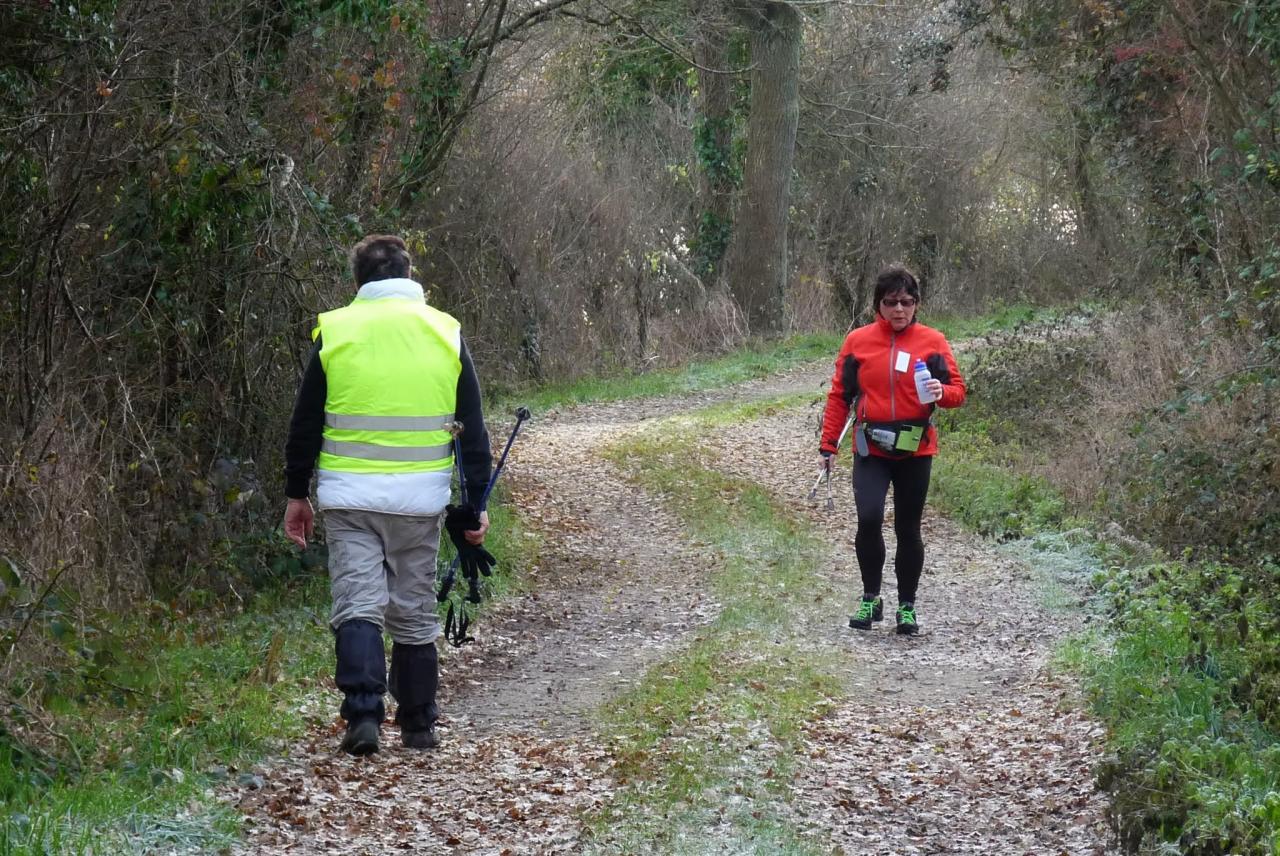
pixel 382 569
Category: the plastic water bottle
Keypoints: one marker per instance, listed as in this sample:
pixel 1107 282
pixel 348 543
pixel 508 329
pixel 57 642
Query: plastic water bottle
pixel 923 377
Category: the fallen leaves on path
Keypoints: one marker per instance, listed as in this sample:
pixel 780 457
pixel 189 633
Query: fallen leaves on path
pixel 504 793
pixel 955 777
pixel 958 742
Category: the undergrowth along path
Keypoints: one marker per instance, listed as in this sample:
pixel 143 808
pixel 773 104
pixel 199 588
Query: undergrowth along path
pixel 958 742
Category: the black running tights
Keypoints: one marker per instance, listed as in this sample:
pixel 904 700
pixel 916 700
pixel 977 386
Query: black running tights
pixel 910 479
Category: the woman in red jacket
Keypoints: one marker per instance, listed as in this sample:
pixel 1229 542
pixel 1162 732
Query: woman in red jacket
pixel 893 434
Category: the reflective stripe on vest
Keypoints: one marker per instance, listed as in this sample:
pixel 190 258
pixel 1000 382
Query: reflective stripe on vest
pixel 391 367
pixel 388 423
pixel 371 452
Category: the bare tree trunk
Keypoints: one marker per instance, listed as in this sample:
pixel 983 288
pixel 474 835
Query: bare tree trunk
pixel 1090 221
pixel 643 304
pixel 531 334
pixel 757 265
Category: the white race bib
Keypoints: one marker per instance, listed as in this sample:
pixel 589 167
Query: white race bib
pixel 904 362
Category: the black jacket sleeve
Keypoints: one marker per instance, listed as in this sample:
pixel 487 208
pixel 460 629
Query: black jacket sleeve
pixel 937 365
pixel 849 378
pixel 476 456
pixel 306 428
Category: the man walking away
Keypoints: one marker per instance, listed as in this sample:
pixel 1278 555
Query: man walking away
pixel 387 379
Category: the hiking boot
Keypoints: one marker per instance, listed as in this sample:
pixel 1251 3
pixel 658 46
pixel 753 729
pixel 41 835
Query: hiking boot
pixel 907 624
pixel 362 738
pixel 427 739
pixel 869 609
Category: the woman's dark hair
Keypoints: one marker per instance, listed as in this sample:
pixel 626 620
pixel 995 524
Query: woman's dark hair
pixel 380 257
pixel 893 279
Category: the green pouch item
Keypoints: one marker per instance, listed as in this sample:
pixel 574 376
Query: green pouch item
pixel 909 437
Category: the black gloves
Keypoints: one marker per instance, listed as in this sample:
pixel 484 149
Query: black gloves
pixel 474 558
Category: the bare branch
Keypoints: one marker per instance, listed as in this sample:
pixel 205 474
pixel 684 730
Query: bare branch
pixel 529 18
pixel 674 51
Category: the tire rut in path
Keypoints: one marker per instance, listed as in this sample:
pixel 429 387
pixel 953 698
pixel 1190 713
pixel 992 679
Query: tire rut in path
pixel 610 597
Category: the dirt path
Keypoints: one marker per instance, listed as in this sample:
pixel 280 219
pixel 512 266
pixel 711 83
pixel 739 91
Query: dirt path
pixel 957 742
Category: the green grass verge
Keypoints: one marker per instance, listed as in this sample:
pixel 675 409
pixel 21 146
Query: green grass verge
pixel 1191 770
pixel 144 736
pixel 708 740
pixel 976 482
pixel 756 361
pixel 166 706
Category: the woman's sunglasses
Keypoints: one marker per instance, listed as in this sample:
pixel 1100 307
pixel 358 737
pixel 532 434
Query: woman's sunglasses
pixel 904 302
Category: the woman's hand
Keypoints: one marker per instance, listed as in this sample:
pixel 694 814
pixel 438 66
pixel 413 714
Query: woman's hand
pixel 935 388
pixel 825 463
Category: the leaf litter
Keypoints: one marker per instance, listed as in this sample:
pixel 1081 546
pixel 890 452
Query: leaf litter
pixel 958 742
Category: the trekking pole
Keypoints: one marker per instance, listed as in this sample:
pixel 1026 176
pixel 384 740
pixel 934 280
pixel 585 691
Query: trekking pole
pixel 847 423
pixel 825 472
pixel 522 416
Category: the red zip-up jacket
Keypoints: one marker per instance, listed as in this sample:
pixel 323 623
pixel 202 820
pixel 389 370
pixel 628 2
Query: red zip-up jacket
pixel 882 392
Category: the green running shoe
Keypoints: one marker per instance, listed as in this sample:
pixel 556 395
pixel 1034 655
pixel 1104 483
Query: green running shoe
pixel 869 609
pixel 907 624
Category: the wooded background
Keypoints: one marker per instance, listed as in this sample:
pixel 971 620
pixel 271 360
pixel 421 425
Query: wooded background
pixel 595 187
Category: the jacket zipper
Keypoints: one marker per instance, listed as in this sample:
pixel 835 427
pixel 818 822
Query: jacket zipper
pixel 893 354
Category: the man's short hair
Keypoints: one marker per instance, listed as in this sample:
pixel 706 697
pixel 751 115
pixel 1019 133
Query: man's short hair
pixel 380 257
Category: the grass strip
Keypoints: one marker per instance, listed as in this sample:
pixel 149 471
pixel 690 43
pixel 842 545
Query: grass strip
pixel 756 361
pixel 1190 768
pixel 195 701
pixel 975 483
pixel 707 741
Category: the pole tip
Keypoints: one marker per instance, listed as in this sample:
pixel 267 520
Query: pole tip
pixel 522 413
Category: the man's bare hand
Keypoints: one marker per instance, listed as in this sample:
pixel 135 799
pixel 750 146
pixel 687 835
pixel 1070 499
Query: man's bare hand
pixel 476 536
pixel 299 521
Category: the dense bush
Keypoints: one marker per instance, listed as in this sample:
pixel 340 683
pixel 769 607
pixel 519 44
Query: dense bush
pixel 1190 694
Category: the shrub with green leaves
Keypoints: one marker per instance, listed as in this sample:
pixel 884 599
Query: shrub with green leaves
pixel 1195 752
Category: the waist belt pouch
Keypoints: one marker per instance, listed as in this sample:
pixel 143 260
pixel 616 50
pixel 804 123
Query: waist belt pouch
pixel 909 438
pixel 898 439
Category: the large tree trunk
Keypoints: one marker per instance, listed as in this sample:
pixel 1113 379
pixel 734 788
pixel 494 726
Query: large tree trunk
pixel 713 145
pixel 757 265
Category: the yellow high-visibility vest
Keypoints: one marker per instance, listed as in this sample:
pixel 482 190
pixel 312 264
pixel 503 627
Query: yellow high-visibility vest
pixel 392 366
